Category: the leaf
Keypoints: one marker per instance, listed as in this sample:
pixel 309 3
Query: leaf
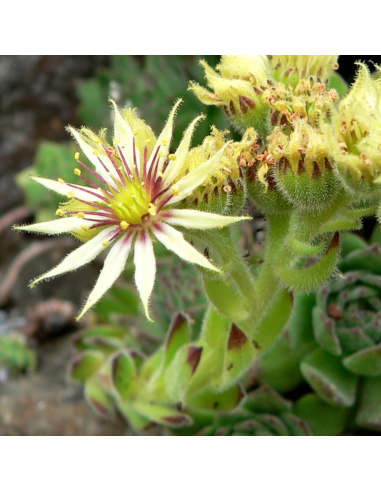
pixel 365 363
pixel 326 375
pixel 324 419
pixel 369 410
pixel 84 365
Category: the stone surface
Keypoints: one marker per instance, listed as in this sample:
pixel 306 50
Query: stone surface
pixel 46 404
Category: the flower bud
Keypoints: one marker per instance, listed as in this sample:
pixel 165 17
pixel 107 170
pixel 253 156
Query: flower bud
pixel 354 136
pixel 289 69
pixel 236 85
pixel 224 191
pixel 302 169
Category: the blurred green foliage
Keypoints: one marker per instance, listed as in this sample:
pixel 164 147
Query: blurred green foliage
pixel 150 83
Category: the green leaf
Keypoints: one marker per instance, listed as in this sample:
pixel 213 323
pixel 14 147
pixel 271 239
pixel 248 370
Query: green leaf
pixel 326 375
pixel 325 332
pixel 266 400
pixel 324 419
pixel 365 363
pixel 84 365
pixel 179 335
pixel 162 414
pixel 123 372
pixel 369 410
pixel 99 399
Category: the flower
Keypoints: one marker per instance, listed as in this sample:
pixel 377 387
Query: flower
pixel 129 201
pixel 236 85
pixel 354 135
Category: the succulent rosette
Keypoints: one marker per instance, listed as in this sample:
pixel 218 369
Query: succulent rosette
pixel 333 341
pixel 263 413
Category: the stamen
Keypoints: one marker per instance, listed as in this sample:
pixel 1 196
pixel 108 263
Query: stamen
pixel 70 194
pixel 60 212
pixel 84 228
pixel 172 157
pixel 77 172
pixel 105 243
pixel 124 225
pixel 81 215
pixel 175 190
pixel 60 180
pixel 77 155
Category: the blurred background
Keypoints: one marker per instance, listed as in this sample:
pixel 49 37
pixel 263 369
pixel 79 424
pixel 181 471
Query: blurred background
pixel 39 96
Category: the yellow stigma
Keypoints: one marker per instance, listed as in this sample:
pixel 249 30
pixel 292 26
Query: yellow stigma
pixel 77 172
pixel 60 212
pixel 130 203
pixel 77 155
pixel 81 215
pixel 60 180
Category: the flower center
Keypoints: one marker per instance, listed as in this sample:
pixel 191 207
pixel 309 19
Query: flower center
pixel 131 202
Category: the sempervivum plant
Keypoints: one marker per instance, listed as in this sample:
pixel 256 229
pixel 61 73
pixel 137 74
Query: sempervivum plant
pixel 333 341
pixel 263 413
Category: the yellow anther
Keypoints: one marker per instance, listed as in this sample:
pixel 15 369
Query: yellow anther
pixel 77 155
pixel 95 152
pixel 165 142
pixel 81 215
pixel 160 154
pixel 148 141
pixel 59 212
pixel 175 190
pixel 152 209
pixel 105 243
pixel 172 157
pixel 124 225
pixel 70 194
pixel 97 140
pixel 135 132
pixel 160 174
pixel 77 172
pixel 115 142
pixel 60 180
pixel 84 228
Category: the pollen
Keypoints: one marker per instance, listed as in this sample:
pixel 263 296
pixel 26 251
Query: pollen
pixel 77 172
pixel 124 225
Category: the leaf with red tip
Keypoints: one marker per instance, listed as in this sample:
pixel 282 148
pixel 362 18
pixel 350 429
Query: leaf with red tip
pixel 179 335
pixel 98 399
pixel 84 365
pixel 123 373
pixel 161 414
